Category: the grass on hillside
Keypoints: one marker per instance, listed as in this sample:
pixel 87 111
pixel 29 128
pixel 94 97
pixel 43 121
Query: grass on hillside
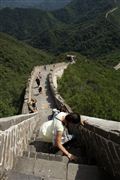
pixel 91 88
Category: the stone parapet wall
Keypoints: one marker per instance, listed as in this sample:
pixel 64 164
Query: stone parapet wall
pixel 57 72
pixel 14 140
pixel 99 138
pixel 7 122
pixel 16 131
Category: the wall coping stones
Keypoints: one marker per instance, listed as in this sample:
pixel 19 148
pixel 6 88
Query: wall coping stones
pixel 107 128
pixel 7 122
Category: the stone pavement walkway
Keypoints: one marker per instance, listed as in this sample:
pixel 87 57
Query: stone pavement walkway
pixel 45 102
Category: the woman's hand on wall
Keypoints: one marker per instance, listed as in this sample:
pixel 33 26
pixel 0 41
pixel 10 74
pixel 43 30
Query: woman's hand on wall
pixel 72 157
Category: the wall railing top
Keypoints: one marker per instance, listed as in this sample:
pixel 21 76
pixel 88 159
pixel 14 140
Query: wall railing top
pixel 106 128
pixel 7 122
pixel 57 72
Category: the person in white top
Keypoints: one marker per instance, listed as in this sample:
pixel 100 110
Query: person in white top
pixel 53 130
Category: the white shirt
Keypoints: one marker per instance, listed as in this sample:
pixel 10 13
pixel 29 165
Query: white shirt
pixel 49 128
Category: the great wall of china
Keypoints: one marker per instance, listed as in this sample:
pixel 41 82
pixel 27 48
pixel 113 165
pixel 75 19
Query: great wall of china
pixel 99 138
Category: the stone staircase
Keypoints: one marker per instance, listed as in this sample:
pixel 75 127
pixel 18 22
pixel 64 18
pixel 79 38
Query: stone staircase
pixel 40 164
pixel 31 168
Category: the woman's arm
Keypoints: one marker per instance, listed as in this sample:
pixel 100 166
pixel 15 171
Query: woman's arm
pixel 61 147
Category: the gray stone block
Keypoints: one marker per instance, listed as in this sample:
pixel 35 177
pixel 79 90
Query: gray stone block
pixel 58 158
pixel 32 148
pixel 42 155
pixel 65 159
pixel 32 154
pixel 19 176
pixel 25 153
pixel 50 169
pixel 52 157
pixel 83 172
pixel 25 165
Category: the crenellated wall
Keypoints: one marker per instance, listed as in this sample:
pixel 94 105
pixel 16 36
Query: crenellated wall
pixel 14 136
pixel 99 138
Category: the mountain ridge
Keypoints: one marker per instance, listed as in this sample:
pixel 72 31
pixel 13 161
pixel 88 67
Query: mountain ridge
pixel 39 4
pixel 63 30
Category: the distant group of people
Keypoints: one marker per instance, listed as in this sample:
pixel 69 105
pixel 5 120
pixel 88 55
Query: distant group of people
pixel 38 79
pixel 32 104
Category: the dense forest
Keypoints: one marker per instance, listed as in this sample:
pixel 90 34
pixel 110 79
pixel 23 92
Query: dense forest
pixel 92 88
pixel 80 27
pixel 16 62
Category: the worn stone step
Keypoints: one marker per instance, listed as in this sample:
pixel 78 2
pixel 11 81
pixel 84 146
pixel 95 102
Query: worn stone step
pixel 48 154
pixel 31 148
pixel 19 176
pixel 41 168
pixel 85 172
pixel 41 155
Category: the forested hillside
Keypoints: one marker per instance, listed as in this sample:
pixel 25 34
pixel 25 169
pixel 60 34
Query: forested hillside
pixel 16 62
pixel 81 26
pixel 92 88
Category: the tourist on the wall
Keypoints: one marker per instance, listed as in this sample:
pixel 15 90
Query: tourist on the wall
pixel 40 89
pixel 39 76
pixel 54 131
pixel 38 81
pixel 32 105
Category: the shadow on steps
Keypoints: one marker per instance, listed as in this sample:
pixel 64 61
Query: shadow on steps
pixel 72 146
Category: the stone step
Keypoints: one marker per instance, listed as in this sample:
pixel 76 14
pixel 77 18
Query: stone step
pixel 41 155
pixel 39 146
pixel 41 168
pixel 85 172
pixel 31 148
pixel 19 176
